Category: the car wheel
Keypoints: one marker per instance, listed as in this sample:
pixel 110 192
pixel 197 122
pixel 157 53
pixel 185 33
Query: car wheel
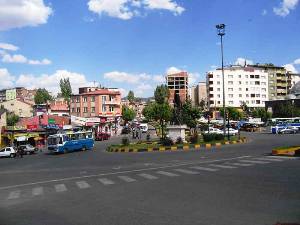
pixel 12 155
pixel 65 151
pixel 84 148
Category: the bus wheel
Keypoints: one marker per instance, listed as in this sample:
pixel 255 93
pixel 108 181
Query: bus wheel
pixel 84 148
pixel 65 151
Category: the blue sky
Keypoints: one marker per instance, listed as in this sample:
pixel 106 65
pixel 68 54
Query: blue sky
pixel 130 44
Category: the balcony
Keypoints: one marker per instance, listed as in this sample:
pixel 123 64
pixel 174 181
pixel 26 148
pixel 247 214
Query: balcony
pixel 113 102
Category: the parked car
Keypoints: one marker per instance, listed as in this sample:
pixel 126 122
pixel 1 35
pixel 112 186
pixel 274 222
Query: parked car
pixel 8 152
pixel 144 127
pixel 28 149
pixel 288 130
pixel 101 136
pixel 213 130
pixel 249 127
pixel 231 131
pixel 126 130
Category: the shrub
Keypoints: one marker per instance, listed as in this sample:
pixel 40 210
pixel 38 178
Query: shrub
pixel 194 139
pixel 167 141
pixel 179 141
pixel 208 137
pixel 125 141
pixel 219 137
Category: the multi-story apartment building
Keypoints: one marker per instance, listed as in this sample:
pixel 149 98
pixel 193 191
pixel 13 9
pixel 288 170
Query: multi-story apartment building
pixel 198 93
pixel 96 102
pixel 280 80
pixel 242 84
pixel 17 93
pixel 178 85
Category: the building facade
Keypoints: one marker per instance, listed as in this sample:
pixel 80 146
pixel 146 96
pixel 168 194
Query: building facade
pixel 242 84
pixel 198 94
pixel 178 85
pixel 18 107
pixel 99 102
pixel 280 80
pixel 2 123
pixel 17 93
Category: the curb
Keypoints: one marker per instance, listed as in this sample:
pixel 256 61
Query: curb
pixel 180 147
pixel 286 151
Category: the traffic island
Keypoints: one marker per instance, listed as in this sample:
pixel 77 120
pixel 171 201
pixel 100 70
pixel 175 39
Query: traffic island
pixel 156 147
pixel 286 151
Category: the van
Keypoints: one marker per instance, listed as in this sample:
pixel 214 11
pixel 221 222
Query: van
pixel 144 127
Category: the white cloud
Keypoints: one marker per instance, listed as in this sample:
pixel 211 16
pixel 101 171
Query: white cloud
pixel 123 77
pixel 123 91
pixel 38 62
pixel 297 61
pixel 21 13
pixel 127 9
pixel 290 68
pixel 241 61
pixel 8 47
pixel 51 82
pixel 14 58
pixel 7 80
pixel 173 70
pixel 193 78
pixel 142 89
pixel 165 4
pixel 159 79
pixel 264 12
pixel 285 7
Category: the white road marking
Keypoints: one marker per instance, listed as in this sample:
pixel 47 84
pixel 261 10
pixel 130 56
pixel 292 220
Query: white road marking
pixel 281 157
pixel 37 191
pixel 106 181
pixel 204 168
pixel 169 174
pixel 186 171
pixel 60 188
pixel 254 161
pixel 14 195
pixel 127 179
pixel 119 172
pixel 240 164
pixel 223 166
pixel 148 176
pixel 82 184
pixel 270 159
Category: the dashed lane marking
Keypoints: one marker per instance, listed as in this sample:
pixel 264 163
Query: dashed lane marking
pixel 240 164
pixel 254 161
pixel 127 179
pixel 60 187
pixel 14 195
pixel 106 181
pixel 223 166
pixel 169 174
pixel 186 171
pixel 82 184
pixel 37 191
pixel 204 168
pixel 148 176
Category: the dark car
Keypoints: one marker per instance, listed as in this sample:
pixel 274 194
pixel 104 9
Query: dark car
pixel 126 130
pixel 102 136
pixel 28 149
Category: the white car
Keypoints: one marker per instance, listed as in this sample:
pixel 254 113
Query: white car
pixel 231 131
pixel 8 152
pixel 288 130
pixel 213 130
pixel 144 127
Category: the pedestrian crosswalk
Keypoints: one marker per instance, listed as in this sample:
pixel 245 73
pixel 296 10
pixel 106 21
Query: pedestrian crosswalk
pixel 135 176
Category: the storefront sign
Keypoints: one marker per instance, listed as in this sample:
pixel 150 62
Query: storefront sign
pixel 32 127
pixel 84 121
pixel 51 121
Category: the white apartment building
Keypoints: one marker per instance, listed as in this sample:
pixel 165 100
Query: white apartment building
pixel 242 84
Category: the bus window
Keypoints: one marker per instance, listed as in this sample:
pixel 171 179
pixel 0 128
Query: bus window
pixel 81 135
pixel 59 140
pixel 89 135
pixel 72 137
pixel 66 138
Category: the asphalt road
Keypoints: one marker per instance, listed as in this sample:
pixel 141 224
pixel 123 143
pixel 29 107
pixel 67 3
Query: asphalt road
pixel 237 184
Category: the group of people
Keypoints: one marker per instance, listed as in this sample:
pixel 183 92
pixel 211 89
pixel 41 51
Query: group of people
pixel 136 133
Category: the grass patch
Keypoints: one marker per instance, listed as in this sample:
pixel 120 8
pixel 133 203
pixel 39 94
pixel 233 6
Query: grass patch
pixel 286 147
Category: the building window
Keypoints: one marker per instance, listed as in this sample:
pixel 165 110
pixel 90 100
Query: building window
pixel 252 95
pixel 111 108
pixel 247 76
pixel 252 89
pixel 111 98
pixel 247 95
pixel 271 82
pixel 78 110
pixel 219 102
pixel 247 89
pixel 230 82
pixel 77 99
pixel 230 76
pixel 272 88
pixel 257 83
pixel 93 99
pixel 84 99
pixel 218 95
pixel 85 109
pixel 240 82
pixel 218 82
pixel 251 76
pixel 263 83
pixel 240 76
pixel 73 99
pixel 272 95
pixel 257 95
pixel 263 77
pixel 73 110
pixel 247 102
pixel 240 95
pixel 253 102
pixel 264 89
pixel 103 98
pixel 240 89
pixel 103 108
pixel 218 76
pixel 230 89
pixel 230 95
pixel 246 82
pixel 218 89
pixel 230 102
pixel 257 76
pixel 251 83
pixel 211 89
pixel 263 96
pixel 92 109
pixel 257 101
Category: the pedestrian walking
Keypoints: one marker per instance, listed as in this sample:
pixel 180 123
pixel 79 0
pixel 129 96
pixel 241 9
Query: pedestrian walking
pixel 21 152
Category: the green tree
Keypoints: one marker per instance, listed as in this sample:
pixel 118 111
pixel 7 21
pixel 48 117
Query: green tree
pixel 261 113
pixel 128 114
pixel 202 105
pixel 233 113
pixel 161 94
pixel 286 110
pixel 131 97
pixel 12 119
pixel 42 96
pixel 65 89
pixel 190 114
pixel 245 109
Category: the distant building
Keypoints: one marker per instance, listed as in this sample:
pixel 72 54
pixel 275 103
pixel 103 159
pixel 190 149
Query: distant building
pixel 178 85
pixel 198 94
pixel 59 107
pixel 96 102
pixel 2 123
pixel 242 84
pixel 137 106
pixel 17 93
pixel 18 107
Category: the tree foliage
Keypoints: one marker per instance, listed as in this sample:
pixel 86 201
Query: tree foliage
pixel 245 109
pixel 65 89
pixel 131 97
pixel 12 119
pixel 261 113
pixel 190 114
pixel 42 96
pixel 233 113
pixel 161 94
pixel 286 110
pixel 128 114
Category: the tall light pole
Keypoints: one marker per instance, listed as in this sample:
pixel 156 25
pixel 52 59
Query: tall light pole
pixel 221 33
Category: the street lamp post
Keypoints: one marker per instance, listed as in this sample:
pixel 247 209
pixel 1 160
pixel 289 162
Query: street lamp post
pixel 221 33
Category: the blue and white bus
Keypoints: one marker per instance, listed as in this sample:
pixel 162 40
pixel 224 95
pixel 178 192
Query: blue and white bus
pixel 73 141
pixel 281 123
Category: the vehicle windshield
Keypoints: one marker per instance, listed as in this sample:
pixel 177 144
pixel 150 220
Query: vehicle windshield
pixel 54 140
